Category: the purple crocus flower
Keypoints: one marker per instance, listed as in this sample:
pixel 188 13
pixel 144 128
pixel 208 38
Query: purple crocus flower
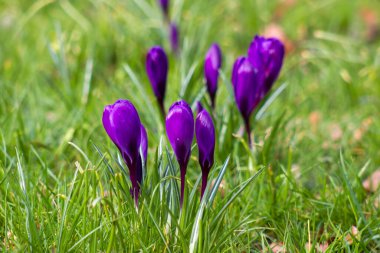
pixel 269 53
pixel 235 68
pixel 180 131
pixel 213 62
pixel 205 134
pixel 247 82
pixel 174 37
pixel 157 69
pixel 122 124
pixel 253 76
pixel 144 143
pixel 164 6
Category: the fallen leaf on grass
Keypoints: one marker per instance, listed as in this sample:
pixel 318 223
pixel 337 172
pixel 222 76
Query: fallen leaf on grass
pixel 335 132
pixel 296 170
pixel 315 119
pixel 371 22
pixel 277 247
pixel 283 7
pixel 274 30
pixel 376 202
pixel 372 183
pixel 221 188
pixel 10 241
pixel 358 133
pixel 353 233
pixel 319 247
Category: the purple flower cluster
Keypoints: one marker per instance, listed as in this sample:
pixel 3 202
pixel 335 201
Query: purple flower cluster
pixel 252 78
pixel 121 122
pixel 180 131
pixel 254 75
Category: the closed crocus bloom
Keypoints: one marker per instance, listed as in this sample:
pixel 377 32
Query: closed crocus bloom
pixel 174 37
pixel 164 6
pixel 157 70
pixel 248 82
pixel 205 135
pixel 122 124
pixel 213 62
pixel 235 68
pixel 144 143
pixel 269 53
pixel 180 132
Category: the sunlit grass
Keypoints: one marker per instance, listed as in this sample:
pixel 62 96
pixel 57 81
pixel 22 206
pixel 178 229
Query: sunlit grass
pixel 63 186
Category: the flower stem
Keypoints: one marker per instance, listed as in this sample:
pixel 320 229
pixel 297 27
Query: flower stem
pixel 248 130
pixel 135 174
pixel 183 181
pixel 135 189
pixel 213 103
pixel 204 183
pixel 162 108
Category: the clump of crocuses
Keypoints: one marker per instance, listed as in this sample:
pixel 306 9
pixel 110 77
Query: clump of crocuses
pixel 205 135
pixel 122 124
pixel 157 69
pixel 253 76
pixel 180 131
pixel 213 62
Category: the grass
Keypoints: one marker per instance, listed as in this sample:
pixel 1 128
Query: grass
pixel 64 188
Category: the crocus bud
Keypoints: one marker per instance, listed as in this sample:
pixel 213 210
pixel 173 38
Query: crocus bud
pixel 248 82
pixel 122 124
pixel 213 62
pixel 144 144
pixel 205 135
pixel 235 68
pixel 164 6
pixel 180 131
pixel 269 53
pixel 157 70
pixel 174 37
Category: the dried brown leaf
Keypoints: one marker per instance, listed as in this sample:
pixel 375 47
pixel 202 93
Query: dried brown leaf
pixel 319 247
pixel 274 30
pixel 315 119
pixel 359 133
pixel 354 233
pixel 372 183
pixel 336 132
pixel 222 187
pixel 283 8
pixel 277 247
pixel 371 22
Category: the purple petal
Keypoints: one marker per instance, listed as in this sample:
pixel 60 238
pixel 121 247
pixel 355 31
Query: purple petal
pixel 267 55
pixel 180 131
pixel 107 124
pixel 174 37
pixel 235 68
pixel 205 135
pixel 248 87
pixel 157 69
pixel 144 143
pixel 213 62
pixel 125 123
